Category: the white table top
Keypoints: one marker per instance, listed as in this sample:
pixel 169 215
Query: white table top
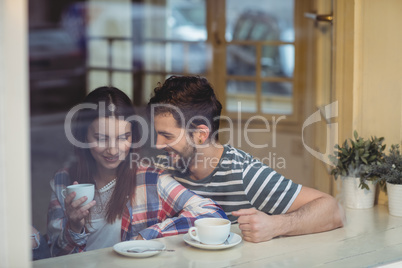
pixel 371 237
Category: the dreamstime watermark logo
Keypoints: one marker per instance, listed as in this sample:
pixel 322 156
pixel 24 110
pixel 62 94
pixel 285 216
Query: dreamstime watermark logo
pixel 242 128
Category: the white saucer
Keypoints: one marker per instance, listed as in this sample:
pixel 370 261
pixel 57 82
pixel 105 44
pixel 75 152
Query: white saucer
pixel 122 248
pixel 236 239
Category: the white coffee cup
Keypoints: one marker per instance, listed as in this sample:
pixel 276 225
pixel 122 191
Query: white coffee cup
pixel 85 189
pixel 212 231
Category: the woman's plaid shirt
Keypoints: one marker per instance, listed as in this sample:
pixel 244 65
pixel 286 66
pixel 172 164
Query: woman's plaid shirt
pixel 161 207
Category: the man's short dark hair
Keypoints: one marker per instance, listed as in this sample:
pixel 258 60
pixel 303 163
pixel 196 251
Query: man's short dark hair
pixel 195 99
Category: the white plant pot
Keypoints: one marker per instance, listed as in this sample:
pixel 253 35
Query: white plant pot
pixel 354 196
pixel 394 199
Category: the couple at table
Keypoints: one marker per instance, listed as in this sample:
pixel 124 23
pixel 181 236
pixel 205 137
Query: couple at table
pixel 137 202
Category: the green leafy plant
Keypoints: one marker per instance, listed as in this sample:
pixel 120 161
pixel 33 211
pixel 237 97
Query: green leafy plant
pixel 354 159
pixel 389 169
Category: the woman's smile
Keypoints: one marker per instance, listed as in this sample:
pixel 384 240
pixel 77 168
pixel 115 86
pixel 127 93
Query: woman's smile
pixel 112 158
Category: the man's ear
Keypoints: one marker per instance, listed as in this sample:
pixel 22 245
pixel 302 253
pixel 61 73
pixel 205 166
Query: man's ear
pixel 202 134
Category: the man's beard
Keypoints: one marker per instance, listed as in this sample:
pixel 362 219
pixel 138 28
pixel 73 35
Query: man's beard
pixel 184 162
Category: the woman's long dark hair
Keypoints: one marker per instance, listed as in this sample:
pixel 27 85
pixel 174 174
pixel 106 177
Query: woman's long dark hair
pixel 109 102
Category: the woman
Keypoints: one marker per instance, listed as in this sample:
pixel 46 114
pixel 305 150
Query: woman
pixel 131 201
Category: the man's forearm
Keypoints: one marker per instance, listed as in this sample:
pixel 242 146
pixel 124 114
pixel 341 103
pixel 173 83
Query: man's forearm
pixel 319 215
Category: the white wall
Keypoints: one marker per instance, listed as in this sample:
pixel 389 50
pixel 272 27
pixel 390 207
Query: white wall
pixel 368 81
pixel 15 212
pixel 378 94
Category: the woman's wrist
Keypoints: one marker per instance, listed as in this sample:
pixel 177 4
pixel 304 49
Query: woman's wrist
pixel 35 240
pixel 75 229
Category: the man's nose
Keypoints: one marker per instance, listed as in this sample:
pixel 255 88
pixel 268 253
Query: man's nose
pixel 160 143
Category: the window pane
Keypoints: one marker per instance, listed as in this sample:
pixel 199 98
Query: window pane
pixel 121 54
pixel 179 20
pixel 175 56
pixel 97 53
pixel 197 58
pixel 181 47
pixel 187 57
pixel 241 95
pixel 124 82
pixel 150 82
pixel 260 20
pixel 103 21
pixel 186 20
pixel 154 56
pixel 277 97
pixel 277 60
pixel 97 79
pixel 240 60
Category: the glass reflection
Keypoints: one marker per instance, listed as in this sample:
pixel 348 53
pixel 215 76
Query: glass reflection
pixel 186 20
pixel 277 97
pixel 277 61
pixel 79 45
pixel 240 60
pixel 260 20
pixel 260 37
pixel 243 92
pixel 182 40
pixel 57 81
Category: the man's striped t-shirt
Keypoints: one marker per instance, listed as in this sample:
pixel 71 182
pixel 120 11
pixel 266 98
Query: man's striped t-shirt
pixel 241 181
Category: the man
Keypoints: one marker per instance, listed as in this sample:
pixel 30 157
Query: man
pixel 186 114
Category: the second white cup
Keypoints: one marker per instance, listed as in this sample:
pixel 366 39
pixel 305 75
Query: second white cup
pixel 212 231
pixel 85 189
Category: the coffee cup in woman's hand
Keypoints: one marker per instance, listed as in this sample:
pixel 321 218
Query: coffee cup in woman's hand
pixel 80 190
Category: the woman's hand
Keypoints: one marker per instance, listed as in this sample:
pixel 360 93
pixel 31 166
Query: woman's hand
pixel 35 237
pixel 75 213
pixel 139 237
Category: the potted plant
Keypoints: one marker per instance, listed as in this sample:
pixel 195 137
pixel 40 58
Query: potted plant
pixel 351 163
pixel 388 172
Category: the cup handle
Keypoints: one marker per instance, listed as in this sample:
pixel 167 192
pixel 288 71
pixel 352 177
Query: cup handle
pixel 63 193
pixel 190 233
